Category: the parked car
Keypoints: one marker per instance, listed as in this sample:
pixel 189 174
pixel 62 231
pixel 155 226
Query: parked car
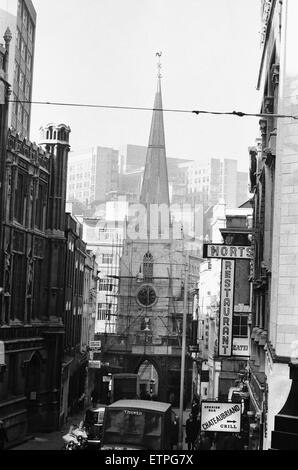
pixel 93 424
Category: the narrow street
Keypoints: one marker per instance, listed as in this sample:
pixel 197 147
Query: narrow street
pixel 148 225
pixel 53 440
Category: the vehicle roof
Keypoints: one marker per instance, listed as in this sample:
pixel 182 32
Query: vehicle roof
pixel 97 407
pixel 144 404
pixel 118 375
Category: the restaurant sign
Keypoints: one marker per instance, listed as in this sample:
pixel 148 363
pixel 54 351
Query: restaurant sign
pixel 226 307
pixel 218 250
pixel 220 417
pixel 241 346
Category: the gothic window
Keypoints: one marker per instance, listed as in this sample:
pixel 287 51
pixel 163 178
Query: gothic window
pixel 12 374
pixel 20 194
pixel 37 287
pixel 40 207
pixel 148 267
pixel 18 286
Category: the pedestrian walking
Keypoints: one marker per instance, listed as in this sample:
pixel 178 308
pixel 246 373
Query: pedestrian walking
pixel 172 398
pixel 230 442
pixel 3 436
pixel 205 442
pixel 94 397
pixel 195 407
pixel 191 429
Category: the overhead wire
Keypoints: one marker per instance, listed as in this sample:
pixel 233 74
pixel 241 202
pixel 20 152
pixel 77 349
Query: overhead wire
pixel 167 110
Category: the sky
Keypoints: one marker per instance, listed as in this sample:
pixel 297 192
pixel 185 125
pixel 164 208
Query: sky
pixel 104 52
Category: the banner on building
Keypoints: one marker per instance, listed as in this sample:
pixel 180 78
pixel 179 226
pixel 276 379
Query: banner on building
pixel 226 307
pixel 241 346
pixel 220 417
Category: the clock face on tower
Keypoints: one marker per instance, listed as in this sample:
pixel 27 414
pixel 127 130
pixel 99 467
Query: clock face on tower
pixel 146 295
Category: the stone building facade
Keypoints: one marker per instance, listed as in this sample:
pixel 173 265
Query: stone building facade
pixel 35 231
pixel 274 179
pixel 32 299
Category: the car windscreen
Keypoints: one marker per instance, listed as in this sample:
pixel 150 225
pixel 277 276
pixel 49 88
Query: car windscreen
pixel 133 427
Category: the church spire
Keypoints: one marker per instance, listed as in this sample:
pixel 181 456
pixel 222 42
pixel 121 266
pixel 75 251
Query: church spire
pixel 155 187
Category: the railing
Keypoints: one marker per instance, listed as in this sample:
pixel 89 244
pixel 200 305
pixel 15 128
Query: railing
pixel 257 383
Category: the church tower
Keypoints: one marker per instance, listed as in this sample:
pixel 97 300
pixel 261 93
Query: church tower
pixel 55 140
pixel 150 307
pixel 155 187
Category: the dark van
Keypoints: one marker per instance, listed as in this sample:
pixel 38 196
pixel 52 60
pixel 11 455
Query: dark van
pixel 138 425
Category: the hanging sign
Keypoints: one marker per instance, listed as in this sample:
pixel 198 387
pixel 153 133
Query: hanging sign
pixel 2 352
pixel 220 417
pixel 94 364
pixel 218 250
pixel 241 346
pixel 226 307
pixel 95 345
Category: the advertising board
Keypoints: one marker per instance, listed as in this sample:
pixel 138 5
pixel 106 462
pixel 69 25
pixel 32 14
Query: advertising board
pixel 220 417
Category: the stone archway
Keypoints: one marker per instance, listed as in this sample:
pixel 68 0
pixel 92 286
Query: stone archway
pixel 149 380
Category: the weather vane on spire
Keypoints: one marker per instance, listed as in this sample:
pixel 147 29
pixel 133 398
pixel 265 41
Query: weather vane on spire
pixel 159 64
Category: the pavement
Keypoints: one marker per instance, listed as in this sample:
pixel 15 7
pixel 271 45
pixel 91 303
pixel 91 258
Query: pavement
pixel 53 440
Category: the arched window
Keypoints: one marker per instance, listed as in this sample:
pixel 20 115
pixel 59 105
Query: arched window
pixel 148 267
pixel 62 134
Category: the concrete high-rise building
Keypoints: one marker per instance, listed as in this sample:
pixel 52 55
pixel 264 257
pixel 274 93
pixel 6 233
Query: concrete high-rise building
pixel 132 163
pixel 229 182
pixel 93 175
pixel 242 194
pixel 217 179
pixel 132 157
pixel 20 17
pixel 105 240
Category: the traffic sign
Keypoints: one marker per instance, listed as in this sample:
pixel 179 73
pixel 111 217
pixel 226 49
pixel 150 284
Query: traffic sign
pixel 220 417
pixel 94 364
pixel 95 345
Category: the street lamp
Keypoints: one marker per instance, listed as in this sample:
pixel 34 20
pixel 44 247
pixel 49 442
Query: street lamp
pixel 183 353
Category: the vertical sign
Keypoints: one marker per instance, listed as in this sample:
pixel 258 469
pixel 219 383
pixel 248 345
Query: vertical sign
pixel 2 352
pixel 226 307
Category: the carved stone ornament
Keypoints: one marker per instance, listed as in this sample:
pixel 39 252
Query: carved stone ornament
pixel 275 74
